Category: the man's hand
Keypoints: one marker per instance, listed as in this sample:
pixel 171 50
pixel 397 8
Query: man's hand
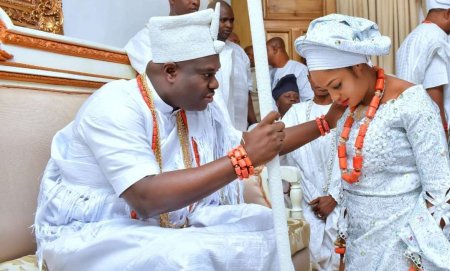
pixel 334 114
pixel 323 206
pixel 265 141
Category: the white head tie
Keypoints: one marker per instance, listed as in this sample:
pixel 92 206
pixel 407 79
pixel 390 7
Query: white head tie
pixel 431 4
pixel 185 37
pixel 338 41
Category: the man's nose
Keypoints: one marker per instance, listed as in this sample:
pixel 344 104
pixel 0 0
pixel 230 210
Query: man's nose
pixel 213 83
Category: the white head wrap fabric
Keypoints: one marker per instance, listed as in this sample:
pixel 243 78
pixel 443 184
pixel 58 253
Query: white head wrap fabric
pixel 431 4
pixel 185 37
pixel 337 41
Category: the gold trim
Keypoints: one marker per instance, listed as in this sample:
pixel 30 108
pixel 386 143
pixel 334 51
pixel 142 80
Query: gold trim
pixel 45 15
pixel 70 92
pixel 27 66
pixel 4 56
pixel 11 76
pixel 8 37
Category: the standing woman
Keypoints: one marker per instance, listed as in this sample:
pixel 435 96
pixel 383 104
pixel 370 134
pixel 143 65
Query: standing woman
pixel 391 150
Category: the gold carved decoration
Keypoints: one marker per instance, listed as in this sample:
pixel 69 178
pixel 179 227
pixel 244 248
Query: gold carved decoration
pixel 7 37
pixel 13 76
pixel 4 56
pixel 45 15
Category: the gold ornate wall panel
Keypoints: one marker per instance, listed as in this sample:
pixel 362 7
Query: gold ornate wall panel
pixel 45 15
pixel 8 37
pixel 35 58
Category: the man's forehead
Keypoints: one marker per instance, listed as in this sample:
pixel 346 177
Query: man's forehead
pixel 207 63
pixel 226 11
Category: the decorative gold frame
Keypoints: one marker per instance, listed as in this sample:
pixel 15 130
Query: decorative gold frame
pixel 8 37
pixel 45 15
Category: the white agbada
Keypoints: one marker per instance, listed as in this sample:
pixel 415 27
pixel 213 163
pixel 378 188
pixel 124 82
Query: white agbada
pixel 82 223
pixel 320 176
pixel 424 58
pixel 300 71
pixel 235 83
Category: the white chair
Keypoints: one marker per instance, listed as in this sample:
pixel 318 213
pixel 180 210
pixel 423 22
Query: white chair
pixel 256 190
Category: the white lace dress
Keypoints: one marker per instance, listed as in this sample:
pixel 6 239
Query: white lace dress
pixel 384 216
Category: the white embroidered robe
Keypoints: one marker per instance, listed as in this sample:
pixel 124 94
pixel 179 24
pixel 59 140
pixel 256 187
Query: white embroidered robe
pixel 319 167
pixel 82 223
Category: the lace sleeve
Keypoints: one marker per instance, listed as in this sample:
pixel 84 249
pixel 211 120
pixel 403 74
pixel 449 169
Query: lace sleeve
pixel 426 136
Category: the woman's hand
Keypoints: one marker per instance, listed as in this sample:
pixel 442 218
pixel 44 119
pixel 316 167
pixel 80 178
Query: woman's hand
pixel 323 206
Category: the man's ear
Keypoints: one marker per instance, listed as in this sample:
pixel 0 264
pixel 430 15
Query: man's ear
pixel 170 71
pixel 277 102
pixel 447 14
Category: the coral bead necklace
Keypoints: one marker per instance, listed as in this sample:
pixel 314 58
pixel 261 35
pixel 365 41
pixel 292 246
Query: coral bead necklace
pixel 352 175
pixel 183 136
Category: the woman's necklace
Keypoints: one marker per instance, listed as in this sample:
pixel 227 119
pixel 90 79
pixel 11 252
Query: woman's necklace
pixel 332 154
pixel 352 175
pixel 183 136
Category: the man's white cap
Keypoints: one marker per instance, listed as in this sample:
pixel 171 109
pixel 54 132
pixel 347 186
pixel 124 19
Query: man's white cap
pixel 337 41
pixel 431 4
pixel 185 37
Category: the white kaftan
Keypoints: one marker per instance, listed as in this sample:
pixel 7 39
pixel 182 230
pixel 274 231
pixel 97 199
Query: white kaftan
pixel 235 83
pixel 405 162
pixel 424 58
pixel 82 223
pixel 300 71
pixel 320 176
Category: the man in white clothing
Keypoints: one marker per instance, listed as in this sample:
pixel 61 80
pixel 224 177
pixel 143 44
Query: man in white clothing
pixel 320 179
pixel 282 66
pixel 235 77
pixel 285 93
pixel 254 91
pixel 137 181
pixel 424 56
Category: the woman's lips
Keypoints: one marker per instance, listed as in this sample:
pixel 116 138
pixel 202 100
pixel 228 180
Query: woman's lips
pixel 344 103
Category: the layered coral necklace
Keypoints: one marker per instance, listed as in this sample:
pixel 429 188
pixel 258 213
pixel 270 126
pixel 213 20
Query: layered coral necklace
pixel 352 175
pixel 183 136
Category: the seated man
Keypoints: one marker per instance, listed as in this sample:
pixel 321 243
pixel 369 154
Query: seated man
pixel 135 182
pixel 285 93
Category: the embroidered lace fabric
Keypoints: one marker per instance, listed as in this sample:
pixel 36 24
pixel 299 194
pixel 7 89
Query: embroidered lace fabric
pixel 387 223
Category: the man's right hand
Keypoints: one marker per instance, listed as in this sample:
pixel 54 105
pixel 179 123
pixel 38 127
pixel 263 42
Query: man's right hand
pixel 266 140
